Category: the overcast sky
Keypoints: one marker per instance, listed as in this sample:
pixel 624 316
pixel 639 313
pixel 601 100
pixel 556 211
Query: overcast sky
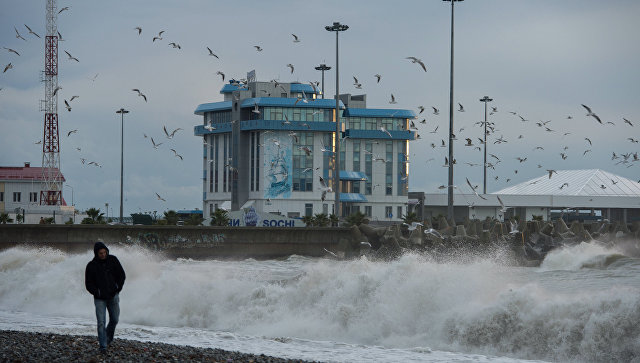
pixel 541 59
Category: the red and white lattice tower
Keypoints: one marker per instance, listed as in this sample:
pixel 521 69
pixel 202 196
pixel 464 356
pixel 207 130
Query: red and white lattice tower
pixel 51 193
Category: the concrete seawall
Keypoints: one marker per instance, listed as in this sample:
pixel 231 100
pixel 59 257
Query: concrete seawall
pixel 196 242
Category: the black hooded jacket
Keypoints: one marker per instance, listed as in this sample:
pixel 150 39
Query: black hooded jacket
pixel 104 278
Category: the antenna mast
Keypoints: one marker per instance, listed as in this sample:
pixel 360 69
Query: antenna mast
pixel 51 193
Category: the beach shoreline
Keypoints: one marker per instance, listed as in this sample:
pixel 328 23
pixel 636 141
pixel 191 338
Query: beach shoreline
pixel 22 346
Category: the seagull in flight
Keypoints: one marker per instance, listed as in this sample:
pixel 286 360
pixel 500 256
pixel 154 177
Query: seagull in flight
pixel 159 37
pixel 63 9
pixel 172 133
pixel 160 198
pixel 290 66
pixel 383 129
pixel 211 53
pixel 175 153
pixel 461 108
pixel 551 171
pixel 140 94
pixel 71 132
pixel 295 38
pixel 12 51
pixel 139 29
pixel 474 190
pixel 393 99
pixel 31 31
pixel 66 104
pixel 155 146
pixel 71 57
pixel 590 113
pixel 18 34
pixel 419 61
pixel 324 188
pixel 221 75
pixel 378 77
pixel 502 206
pixel 627 122
pixel 258 48
pixel 435 111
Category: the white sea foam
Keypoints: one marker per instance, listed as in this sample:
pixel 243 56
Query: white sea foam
pixel 412 304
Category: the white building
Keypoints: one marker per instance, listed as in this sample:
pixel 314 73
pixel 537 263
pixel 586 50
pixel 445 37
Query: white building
pixel 269 144
pixel 20 190
pixel 579 194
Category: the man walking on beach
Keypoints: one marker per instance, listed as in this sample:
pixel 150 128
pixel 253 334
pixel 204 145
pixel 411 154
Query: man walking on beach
pixel 104 278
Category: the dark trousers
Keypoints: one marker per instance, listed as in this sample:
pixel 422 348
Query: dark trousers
pixel 105 332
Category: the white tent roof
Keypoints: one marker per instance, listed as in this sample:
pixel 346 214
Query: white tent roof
pixel 587 182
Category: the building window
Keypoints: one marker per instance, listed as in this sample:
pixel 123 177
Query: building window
pixel 224 155
pixel 403 178
pixel 215 163
pixel 328 159
pixel 388 212
pixel 368 167
pixel 1 196
pixel 370 123
pixel 400 212
pixel 211 210
pixel 308 209
pixel 16 197
pixel 33 197
pixel 325 208
pixel 293 214
pixel 303 163
pixel 368 211
pixel 389 168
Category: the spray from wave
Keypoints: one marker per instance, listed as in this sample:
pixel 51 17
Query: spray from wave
pixel 479 307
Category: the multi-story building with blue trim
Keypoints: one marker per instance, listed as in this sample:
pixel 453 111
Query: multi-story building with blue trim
pixel 267 144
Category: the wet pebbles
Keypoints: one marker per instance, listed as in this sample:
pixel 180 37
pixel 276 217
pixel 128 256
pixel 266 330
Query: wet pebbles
pixel 18 346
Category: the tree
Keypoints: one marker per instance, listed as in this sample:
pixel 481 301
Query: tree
pixel 355 219
pixel 220 218
pixel 51 220
pixel 171 217
pixel 194 220
pixel 4 218
pixel 334 220
pixel 308 220
pixel 321 220
pixel 94 216
pixel 70 221
pixel 410 217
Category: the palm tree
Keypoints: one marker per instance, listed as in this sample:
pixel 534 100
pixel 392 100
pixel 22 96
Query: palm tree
pixel 321 220
pixel 94 216
pixel 334 220
pixel 355 219
pixel 308 220
pixel 194 220
pixel 4 218
pixel 220 218
pixel 171 217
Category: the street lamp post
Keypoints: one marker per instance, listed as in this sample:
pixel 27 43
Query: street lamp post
pixel 72 203
pixel 122 112
pixel 337 27
pixel 450 185
pixel 485 99
pixel 323 67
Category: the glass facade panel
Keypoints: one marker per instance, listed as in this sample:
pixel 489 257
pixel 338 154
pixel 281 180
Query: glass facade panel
pixel 370 123
pixel 403 178
pixel 303 163
pixel 368 167
pixel 388 168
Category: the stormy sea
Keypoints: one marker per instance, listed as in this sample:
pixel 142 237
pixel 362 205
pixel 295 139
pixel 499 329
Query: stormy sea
pixel 581 304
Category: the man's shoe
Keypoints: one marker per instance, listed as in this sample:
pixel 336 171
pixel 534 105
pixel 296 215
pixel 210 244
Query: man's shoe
pixel 103 351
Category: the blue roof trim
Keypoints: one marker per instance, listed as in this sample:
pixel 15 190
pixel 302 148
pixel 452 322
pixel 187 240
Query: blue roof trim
pixel 378 112
pixel 353 175
pixel 289 102
pixel 323 126
pixel 377 134
pixel 213 106
pixel 352 198
pixel 219 129
pixel 191 211
pixel 302 87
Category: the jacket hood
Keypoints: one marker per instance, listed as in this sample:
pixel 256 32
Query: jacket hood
pixel 97 247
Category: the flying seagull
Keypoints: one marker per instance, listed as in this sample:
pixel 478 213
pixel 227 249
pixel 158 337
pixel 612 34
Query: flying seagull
pixel 211 53
pixel 461 108
pixel 66 104
pixel 221 75
pixel 71 132
pixel 155 146
pixel 140 94
pixel 474 190
pixel 590 113
pixel 324 188
pixel 12 51
pixel 71 57
pixel 63 9
pixel 290 66
pixel 160 198
pixel 378 77
pixel 393 99
pixel 31 31
pixel 258 48
pixel 627 122
pixel 18 34
pixel 176 154
pixel 159 37
pixel 139 29
pixel 295 38
pixel 419 61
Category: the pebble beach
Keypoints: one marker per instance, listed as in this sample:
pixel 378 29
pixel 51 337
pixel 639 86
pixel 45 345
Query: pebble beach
pixel 18 346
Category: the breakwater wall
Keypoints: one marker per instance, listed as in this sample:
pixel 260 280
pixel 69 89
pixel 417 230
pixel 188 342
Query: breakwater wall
pixel 195 242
